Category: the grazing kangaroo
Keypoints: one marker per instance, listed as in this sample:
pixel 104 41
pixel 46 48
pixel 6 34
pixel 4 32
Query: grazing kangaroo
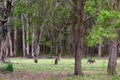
pixel 90 61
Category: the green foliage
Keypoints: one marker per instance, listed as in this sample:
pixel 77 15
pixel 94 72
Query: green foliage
pixel 32 8
pixel 91 6
pixel 95 34
pixel 62 14
pixel 18 23
pixel 19 8
pixel 48 43
pixel 107 15
pixel 105 27
pixel 9 67
pixel 116 77
pixel 6 67
pixel 29 38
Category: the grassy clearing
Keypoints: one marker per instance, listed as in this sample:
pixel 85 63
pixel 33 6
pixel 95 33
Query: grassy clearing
pixel 65 69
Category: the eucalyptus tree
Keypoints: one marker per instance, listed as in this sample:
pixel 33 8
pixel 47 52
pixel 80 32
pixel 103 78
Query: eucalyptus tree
pixel 107 26
pixel 78 31
pixel 5 13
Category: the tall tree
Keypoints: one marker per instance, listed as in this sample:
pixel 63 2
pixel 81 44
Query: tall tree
pixel 106 26
pixel 4 26
pixel 78 34
pixel 114 5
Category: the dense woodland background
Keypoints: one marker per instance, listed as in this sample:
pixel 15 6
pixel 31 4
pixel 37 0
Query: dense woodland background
pixel 77 28
pixel 45 26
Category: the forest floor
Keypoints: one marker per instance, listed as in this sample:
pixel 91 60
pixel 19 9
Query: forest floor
pixel 26 69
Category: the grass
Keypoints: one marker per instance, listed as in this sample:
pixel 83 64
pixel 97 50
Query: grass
pixel 1 79
pixel 65 68
pixel 66 64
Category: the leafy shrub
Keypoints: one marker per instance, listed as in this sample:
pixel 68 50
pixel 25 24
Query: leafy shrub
pixel 9 67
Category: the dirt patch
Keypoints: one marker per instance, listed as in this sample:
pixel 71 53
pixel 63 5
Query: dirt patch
pixel 33 75
pixel 26 75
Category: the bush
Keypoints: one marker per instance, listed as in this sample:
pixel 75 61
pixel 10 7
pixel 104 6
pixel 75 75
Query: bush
pixel 9 67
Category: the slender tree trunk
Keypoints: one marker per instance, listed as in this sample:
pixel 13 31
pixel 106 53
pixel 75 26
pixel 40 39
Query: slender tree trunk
pixel 61 49
pixel 51 46
pixel 27 36
pixel 38 43
pixel 23 36
pixel 111 70
pixel 37 49
pixel 9 40
pixel 10 44
pixel 15 41
pixel 7 52
pixel 33 39
pixel 100 48
pixel 51 49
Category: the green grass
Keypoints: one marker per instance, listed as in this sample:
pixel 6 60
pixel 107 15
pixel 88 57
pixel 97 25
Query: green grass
pixel 96 71
pixel 66 64
pixel 1 78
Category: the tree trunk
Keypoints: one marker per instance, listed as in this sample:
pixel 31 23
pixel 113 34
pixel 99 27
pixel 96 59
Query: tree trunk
pixel 9 41
pixel 78 67
pixel 79 39
pixel 10 44
pixel 33 40
pixel 23 35
pixel 100 48
pixel 37 49
pixel 4 24
pixel 38 43
pixel 27 37
pixel 15 41
pixel 51 46
pixel 111 70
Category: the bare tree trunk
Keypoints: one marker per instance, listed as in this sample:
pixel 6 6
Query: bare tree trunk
pixel 79 39
pixel 10 44
pixel 38 43
pixel 100 48
pixel 37 49
pixel 61 49
pixel 9 41
pixel 35 43
pixel 27 36
pixel 23 36
pixel 7 52
pixel 51 49
pixel 33 40
pixel 51 46
pixel 15 41
pixel 4 24
pixel 111 70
